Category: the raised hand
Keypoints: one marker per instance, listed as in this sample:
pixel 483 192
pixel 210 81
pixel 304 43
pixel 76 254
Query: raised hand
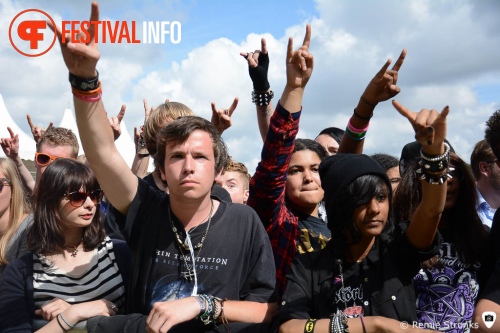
pixel 80 58
pixel 299 63
pixel 37 131
pixel 429 126
pixel 383 85
pixel 116 121
pixel 10 146
pixel 52 308
pixel 221 118
pixel 258 64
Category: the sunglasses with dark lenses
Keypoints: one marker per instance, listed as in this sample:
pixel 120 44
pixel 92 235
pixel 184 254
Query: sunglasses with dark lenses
pixel 44 159
pixel 77 198
pixel 4 182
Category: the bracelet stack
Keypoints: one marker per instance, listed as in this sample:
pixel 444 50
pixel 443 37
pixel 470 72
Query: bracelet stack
pixel 211 309
pixel 338 323
pixel 435 169
pixel 89 90
pixel 262 98
pixel 354 133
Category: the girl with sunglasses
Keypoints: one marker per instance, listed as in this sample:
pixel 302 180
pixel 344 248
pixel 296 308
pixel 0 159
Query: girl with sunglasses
pixel 14 210
pixel 74 271
pixel 448 284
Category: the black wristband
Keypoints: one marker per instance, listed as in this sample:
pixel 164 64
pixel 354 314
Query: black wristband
pixel 84 84
pixel 362 117
pixel 309 326
pixel 263 98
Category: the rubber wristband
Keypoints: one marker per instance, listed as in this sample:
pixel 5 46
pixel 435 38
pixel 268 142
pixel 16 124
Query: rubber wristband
pixel 362 117
pixel 309 326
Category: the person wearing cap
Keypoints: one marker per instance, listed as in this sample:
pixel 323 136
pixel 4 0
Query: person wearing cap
pixel 362 280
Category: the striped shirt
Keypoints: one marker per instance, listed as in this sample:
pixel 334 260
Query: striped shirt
pixel 101 280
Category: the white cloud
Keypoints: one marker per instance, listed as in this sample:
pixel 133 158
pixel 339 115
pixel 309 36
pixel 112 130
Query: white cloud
pixel 453 49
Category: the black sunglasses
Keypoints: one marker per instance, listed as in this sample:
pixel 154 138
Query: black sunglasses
pixel 77 198
pixel 4 182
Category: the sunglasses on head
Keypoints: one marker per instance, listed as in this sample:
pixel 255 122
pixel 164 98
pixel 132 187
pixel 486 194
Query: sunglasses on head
pixel 77 198
pixel 4 182
pixel 44 159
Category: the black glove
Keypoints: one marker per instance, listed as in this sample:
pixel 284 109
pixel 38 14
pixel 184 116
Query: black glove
pixel 259 74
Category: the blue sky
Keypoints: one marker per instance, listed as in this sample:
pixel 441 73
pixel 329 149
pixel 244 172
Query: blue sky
pixel 453 48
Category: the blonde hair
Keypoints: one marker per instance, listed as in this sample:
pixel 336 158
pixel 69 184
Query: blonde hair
pixel 239 167
pixel 159 118
pixel 19 204
pixel 59 136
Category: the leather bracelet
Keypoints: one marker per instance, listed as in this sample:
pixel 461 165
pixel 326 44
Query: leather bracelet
pixel 262 98
pixel 362 117
pixel 84 84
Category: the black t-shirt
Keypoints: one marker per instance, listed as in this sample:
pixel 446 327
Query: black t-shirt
pixel 314 233
pixel 381 285
pixel 236 258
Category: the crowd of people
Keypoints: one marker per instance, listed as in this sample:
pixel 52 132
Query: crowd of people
pixel 320 238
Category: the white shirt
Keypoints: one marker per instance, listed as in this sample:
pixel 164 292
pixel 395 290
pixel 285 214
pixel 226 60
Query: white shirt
pixel 484 210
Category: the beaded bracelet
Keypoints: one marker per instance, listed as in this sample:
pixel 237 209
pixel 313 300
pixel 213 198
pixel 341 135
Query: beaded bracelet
pixel 262 98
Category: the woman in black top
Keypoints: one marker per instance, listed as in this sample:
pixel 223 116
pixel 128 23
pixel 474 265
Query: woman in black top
pixel 363 279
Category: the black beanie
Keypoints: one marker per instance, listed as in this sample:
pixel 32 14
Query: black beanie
pixel 338 171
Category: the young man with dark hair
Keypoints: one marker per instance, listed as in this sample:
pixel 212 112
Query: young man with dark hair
pixel 192 265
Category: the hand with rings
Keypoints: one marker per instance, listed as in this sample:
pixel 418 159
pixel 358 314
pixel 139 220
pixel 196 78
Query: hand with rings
pixel 221 118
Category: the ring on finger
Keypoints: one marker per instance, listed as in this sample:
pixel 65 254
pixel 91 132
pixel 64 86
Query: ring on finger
pixel 226 111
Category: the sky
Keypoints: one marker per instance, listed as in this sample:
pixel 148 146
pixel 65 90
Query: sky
pixel 453 59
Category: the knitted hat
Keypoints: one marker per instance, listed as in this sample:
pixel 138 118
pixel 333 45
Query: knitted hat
pixel 411 152
pixel 338 171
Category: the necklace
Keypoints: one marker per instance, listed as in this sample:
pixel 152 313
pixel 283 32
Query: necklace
pixel 186 244
pixel 73 248
pixel 178 237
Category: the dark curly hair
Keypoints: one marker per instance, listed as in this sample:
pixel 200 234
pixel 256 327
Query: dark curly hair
pixel 308 144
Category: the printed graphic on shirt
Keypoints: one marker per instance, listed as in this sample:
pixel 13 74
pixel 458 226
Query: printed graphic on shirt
pixel 174 275
pixel 348 299
pixel 446 294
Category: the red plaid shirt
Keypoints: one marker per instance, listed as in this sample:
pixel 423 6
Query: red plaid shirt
pixel 267 191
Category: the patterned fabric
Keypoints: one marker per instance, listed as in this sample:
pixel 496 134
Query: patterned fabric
pixel 100 280
pixel 267 191
pixel 288 233
pixel 446 294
